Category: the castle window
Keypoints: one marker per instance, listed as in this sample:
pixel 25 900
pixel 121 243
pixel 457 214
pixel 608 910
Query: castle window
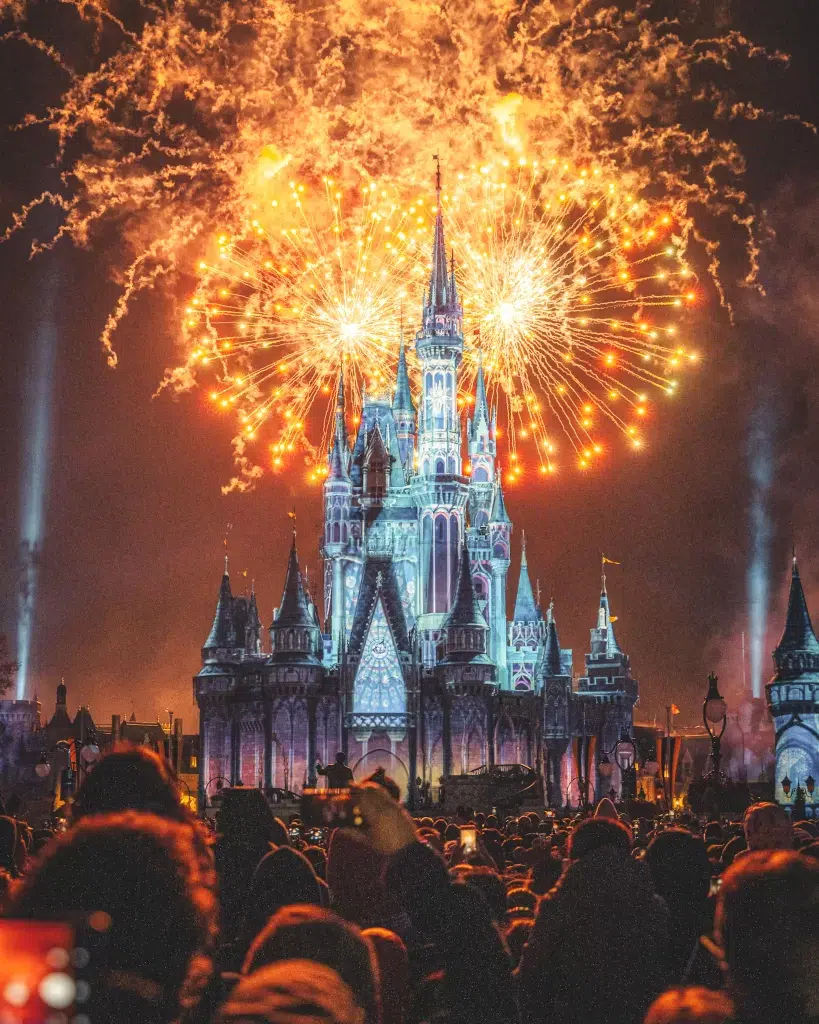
pixel 480 476
pixel 336 533
pixel 439 468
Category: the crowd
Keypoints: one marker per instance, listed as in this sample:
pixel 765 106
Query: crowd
pixel 543 920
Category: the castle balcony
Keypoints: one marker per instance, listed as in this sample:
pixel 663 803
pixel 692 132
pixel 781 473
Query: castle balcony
pixel 792 698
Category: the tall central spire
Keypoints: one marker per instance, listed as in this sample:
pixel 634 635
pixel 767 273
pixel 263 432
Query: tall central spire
pixel 439 281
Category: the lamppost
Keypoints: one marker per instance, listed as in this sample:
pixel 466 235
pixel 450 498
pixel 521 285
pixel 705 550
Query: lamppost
pixel 625 754
pixel 714 716
pixel 786 786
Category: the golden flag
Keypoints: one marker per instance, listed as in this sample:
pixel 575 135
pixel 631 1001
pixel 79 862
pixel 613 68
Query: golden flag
pixel 609 561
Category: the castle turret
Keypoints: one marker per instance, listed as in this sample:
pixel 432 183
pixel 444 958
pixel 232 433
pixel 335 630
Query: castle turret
pixel 403 411
pixel 466 630
pixel 500 537
pixel 338 498
pixel 222 641
pixel 793 695
pixel 294 633
pixel 526 631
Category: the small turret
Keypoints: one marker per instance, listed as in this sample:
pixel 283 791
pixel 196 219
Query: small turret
pixel 294 632
pixel 222 635
pixel 552 645
pixel 526 609
pixel 465 625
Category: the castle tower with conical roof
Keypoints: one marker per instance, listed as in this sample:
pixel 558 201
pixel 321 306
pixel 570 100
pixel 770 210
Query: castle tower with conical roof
pixel 793 695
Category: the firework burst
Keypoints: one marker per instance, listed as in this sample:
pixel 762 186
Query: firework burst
pixel 572 290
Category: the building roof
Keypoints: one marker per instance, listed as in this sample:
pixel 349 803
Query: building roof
pixel 294 609
pixel 221 632
pixel 798 636
pixel 498 514
pixel 526 609
pixel 551 654
pixel 402 400
pixel 378 580
pixel 604 623
pixel 465 609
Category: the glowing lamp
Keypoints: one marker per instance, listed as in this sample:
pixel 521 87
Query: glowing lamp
pixel 810 784
pixel 652 766
pixel 625 754
pixel 786 785
pixel 605 767
pixel 90 753
pixel 715 706
pixel 42 768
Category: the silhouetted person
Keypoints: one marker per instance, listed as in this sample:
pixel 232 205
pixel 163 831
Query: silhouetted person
pixel 338 775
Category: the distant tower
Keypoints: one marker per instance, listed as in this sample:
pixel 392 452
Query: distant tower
pixel 482 451
pixel 403 411
pixel 465 658
pixel 439 489
pixel 295 636
pixel 793 695
pixel 500 539
pixel 338 495
pixel 527 631
pixel 554 676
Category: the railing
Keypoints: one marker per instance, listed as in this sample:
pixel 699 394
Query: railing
pixel 390 722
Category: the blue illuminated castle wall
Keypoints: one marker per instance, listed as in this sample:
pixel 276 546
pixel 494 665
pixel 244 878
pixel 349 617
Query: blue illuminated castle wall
pixel 415 662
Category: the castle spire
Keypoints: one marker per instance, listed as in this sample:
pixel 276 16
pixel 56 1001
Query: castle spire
pixel 222 632
pixel 439 287
pixel 525 606
pixel 798 634
pixel 465 609
pixel 341 426
pixel 552 653
pixel 481 404
pixel 294 609
pixel 402 402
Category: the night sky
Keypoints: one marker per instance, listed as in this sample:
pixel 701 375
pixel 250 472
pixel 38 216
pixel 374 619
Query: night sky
pixel 135 518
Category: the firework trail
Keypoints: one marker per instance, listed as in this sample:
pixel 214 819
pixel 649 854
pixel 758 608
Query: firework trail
pixel 194 117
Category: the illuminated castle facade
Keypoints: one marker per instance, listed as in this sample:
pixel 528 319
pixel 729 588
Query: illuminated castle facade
pixel 415 663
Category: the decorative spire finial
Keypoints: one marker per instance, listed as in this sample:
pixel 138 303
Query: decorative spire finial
pixel 437 160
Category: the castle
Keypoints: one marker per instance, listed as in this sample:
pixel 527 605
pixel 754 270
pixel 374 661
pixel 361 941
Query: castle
pixel 415 664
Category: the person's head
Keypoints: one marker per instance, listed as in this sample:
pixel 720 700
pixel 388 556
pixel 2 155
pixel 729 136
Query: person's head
pixel 341 757
pixel 488 883
pixel 731 850
pixel 311 933
pixel 520 902
pixel 130 779
pixel 292 992
pixel 245 817
pixel 767 927
pixel 135 880
pixel 452 834
pixel 517 934
pixel 606 809
pixel 281 877
pixel 393 972
pixel 544 874
pixel 679 867
pixel 690 1006
pixel 596 833
pixel 318 860
pixel 767 827
pixel 713 834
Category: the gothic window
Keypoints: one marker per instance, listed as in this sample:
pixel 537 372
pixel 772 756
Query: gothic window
pixel 481 518
pixel 336 533
pixel 480 476
pixel 379 682
pixel 499 551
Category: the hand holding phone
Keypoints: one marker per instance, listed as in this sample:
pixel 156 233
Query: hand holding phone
pixel 469 840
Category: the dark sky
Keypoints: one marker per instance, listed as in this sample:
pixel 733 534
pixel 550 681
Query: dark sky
pixel 135 518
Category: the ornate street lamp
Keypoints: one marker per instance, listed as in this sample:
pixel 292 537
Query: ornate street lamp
pixel 43 768
pixel 715 718
pixel 786 785
pixel 810 784
pixel 605 767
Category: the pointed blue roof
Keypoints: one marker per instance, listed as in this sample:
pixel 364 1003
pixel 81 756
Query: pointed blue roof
pixel 526 609
pixel 498 514
pixel 294 609
pixel 798 636
pixel 481 404
pixel 439 283
pixel 465 610
pixel 552 647
pixel 402 400
pixel 221 632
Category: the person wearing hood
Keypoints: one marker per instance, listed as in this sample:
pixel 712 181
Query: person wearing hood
pixel 581 962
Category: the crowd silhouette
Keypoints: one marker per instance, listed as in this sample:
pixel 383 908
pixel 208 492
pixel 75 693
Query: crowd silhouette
pixel 546 919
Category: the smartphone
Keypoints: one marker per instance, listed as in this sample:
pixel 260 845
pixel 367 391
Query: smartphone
pixel 315 835
pixel 331 808
pixel 469 839
pixel 37 972
pixel 294 832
